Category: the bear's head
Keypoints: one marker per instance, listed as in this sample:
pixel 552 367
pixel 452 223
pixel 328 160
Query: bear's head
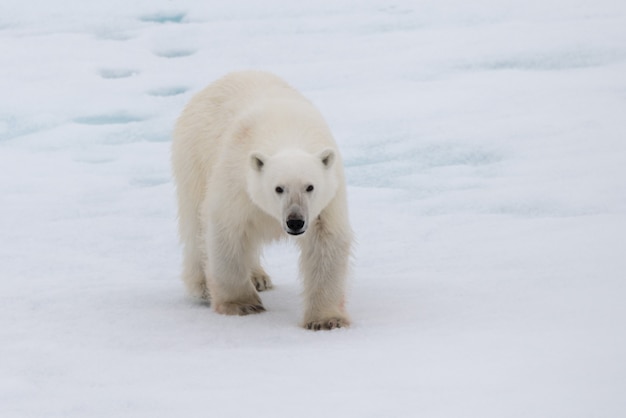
pixel 293 186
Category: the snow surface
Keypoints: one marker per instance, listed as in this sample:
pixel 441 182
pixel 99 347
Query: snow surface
pixel 485 149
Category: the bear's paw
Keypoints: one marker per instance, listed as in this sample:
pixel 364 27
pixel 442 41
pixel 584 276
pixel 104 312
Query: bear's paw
pixel 261 280
pixel 239 308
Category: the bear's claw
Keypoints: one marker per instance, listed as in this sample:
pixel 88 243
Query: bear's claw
pixel 327 324
pixel 251 309
pixel 261 282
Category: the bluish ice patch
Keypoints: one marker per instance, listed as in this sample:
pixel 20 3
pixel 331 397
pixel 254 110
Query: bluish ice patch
pixel 164 137
pixel 555 61
pixel 108 119
pixel 114 73
pixel 382 165
pixel 12 127
pixel 539 208
pixel 164 17
pixel 168 91
pixel 454 154
pixel 175 53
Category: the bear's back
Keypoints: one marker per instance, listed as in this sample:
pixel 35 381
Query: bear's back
pixel 236 91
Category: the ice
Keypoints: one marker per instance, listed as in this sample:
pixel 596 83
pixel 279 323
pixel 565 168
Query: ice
pixel 486 163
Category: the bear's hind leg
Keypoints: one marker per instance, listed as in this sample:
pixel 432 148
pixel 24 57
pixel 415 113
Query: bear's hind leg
pixel 237 303
pixel 193 276
pixel 230 272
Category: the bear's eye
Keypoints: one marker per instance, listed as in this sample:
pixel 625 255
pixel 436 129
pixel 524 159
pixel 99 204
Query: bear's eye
pixel 310 188
pixel 279 190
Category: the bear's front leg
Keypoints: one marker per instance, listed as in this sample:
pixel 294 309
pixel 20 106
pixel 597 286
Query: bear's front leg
pixel 229 261
pixel 324 265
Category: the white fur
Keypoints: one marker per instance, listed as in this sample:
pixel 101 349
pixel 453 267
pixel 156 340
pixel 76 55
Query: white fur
pixel 235 143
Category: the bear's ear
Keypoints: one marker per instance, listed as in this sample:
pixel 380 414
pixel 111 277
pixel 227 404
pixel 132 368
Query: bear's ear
pixel 327 156
pixel 257 161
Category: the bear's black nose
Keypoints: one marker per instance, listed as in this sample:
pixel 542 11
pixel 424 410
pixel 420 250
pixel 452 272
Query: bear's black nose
pixel 295 225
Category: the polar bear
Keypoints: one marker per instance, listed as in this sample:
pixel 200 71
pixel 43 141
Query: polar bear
pixel 254 161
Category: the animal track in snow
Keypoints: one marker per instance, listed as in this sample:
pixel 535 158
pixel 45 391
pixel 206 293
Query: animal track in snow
pixel 149 181
pixel 174 53
pixel 94 159
pixel 164 17
pixel 114 73
pixel 168 91
pixel 116 118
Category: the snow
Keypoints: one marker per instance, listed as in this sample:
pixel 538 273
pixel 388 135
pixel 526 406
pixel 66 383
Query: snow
pixel 485 155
